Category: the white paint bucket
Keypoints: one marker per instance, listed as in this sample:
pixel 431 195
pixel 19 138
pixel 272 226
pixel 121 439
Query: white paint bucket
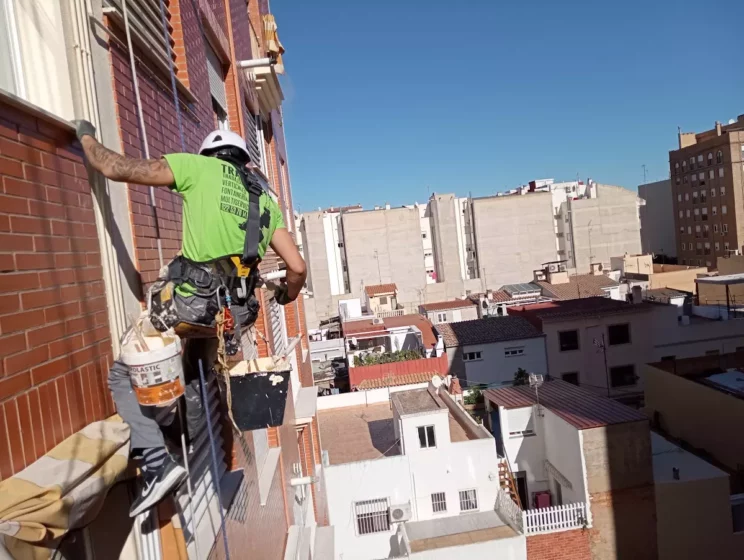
pixel 157 373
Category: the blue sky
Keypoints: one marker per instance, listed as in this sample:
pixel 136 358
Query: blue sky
pixel 387 101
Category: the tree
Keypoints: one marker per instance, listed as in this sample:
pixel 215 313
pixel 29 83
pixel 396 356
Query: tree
pixel 522 377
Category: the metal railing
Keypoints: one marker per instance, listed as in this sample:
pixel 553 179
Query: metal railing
pixel 556 518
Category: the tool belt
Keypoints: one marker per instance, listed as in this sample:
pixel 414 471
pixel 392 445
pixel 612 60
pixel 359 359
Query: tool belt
pixel 191 294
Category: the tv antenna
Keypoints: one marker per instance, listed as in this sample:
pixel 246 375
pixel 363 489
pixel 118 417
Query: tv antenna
pixel 536 382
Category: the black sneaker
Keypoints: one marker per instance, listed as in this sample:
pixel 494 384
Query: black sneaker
pixel 157 485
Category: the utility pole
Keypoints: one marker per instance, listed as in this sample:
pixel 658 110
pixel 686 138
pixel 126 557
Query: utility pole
pixel 644 173
pixel 603 347
pixel 379 274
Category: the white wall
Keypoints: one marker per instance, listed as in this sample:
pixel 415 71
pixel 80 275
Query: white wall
pixel 333 252
pixel 525 453
pixel 363 398
pixel 563 450
pixel 408 478
pixel 494 367
pixel 409 438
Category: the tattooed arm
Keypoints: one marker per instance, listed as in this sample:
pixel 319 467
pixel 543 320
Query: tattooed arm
pixel 117 167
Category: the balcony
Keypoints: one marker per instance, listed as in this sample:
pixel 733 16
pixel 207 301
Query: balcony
pixel 393 313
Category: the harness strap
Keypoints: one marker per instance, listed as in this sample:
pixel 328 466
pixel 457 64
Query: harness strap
pixel 253 223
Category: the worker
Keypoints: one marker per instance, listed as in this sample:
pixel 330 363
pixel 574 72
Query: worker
pixel 216 212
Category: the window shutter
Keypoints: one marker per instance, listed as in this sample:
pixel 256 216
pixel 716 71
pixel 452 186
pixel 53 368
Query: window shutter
pixel 145 23
pixel 253 136
pixel 278 335
pixel 216 79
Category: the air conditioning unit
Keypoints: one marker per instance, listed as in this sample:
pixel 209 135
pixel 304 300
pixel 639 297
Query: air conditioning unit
pixel 398 514
pixel 377 321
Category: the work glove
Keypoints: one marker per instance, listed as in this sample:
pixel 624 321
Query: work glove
pixel 83 128
pixel 281 295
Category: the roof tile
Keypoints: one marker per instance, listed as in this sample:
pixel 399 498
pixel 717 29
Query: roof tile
pixel 578 286
pixel 485 331
pixel 379 289
pixel 451 304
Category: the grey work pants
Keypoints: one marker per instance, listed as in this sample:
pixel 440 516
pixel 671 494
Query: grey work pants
pixel 145 431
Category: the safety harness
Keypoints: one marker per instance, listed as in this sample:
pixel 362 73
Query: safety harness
pixel 192 294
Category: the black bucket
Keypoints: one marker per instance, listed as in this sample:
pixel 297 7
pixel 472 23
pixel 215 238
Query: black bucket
pixel 259 399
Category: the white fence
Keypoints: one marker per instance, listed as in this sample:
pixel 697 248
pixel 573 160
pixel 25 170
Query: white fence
pixel 556 518
pixel 543 520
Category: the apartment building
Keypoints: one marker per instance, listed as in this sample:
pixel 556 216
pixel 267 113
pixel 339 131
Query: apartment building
pixel 410 474
pixel 658 234
pixel 640 270
pixel 593 230
pixel 580 461
pixel 78 252
pixel 726 290
pixel 708 188
pixel 490 351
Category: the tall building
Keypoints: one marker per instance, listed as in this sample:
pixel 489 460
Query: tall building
pixel 657 219
pixel 708 193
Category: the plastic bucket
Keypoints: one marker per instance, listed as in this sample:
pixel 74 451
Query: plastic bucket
pixel 157 374
pixel 259 397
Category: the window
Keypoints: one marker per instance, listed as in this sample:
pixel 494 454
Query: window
pixel 723 191
pixel 423 235
pixel 622 376
pixel 372 516
pixel 726 246
pixel 679 198
pixel 701 178
pixel 724 228
pixel 700 160
pixel 684 180
pixel 718 246
pixel 693 178
pixel 710 158
pixel 684 261
pixel 692 162
pixel 689 230
pixel 703 197
pixel 676 167
pixel 571 377
pixel 216 77
pixel 677 180
pixel 681 214
pixel 694 197
pixel 618 334
pixel 426 437
pixel 568 340
pixel 712 193
pixel 724 210
pixel 468 500
pixel 719 156
pixel 471 356
pixel 715 228
pixel 383 300
pixel 684 247
pixel 438 502
pixel 687 213
pixel 682 229
pixel 715 210
pixel 516 351
pixel 684 168
pixel 696 211
pixel 687 197
pixel 711 174
pixel 720 171
pixel 441 317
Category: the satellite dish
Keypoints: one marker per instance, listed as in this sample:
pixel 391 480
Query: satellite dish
pixel 436 381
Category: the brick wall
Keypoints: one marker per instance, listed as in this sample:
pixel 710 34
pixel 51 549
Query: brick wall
pixel 55 346
pixel 566 545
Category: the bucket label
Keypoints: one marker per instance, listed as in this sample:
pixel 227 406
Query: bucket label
pixel 165 371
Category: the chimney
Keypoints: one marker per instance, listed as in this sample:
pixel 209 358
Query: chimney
pixel 718 128
pixel 637 294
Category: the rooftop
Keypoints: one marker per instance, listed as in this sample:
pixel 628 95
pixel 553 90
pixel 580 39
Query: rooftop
pixel 363 433
pixel 380 289
pixel 456 530
pixel 585 307
pixel 726 280
pixel 579 407
pixel 578 286
pixel 423 324
pixel 416 402
pixel 452 304
pixel 720 372
pixel 396 381
pixel 668 456
pixel 486 331
pixel 731 381
pixel 664 295
pixel 661 268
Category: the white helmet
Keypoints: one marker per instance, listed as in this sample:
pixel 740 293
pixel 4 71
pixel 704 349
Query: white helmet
pixel 222 139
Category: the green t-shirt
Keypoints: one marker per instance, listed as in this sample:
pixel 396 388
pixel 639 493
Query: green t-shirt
pixel 215 205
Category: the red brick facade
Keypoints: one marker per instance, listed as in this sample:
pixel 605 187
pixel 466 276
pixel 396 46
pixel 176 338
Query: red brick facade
pixel 55 346
pixel 566 545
